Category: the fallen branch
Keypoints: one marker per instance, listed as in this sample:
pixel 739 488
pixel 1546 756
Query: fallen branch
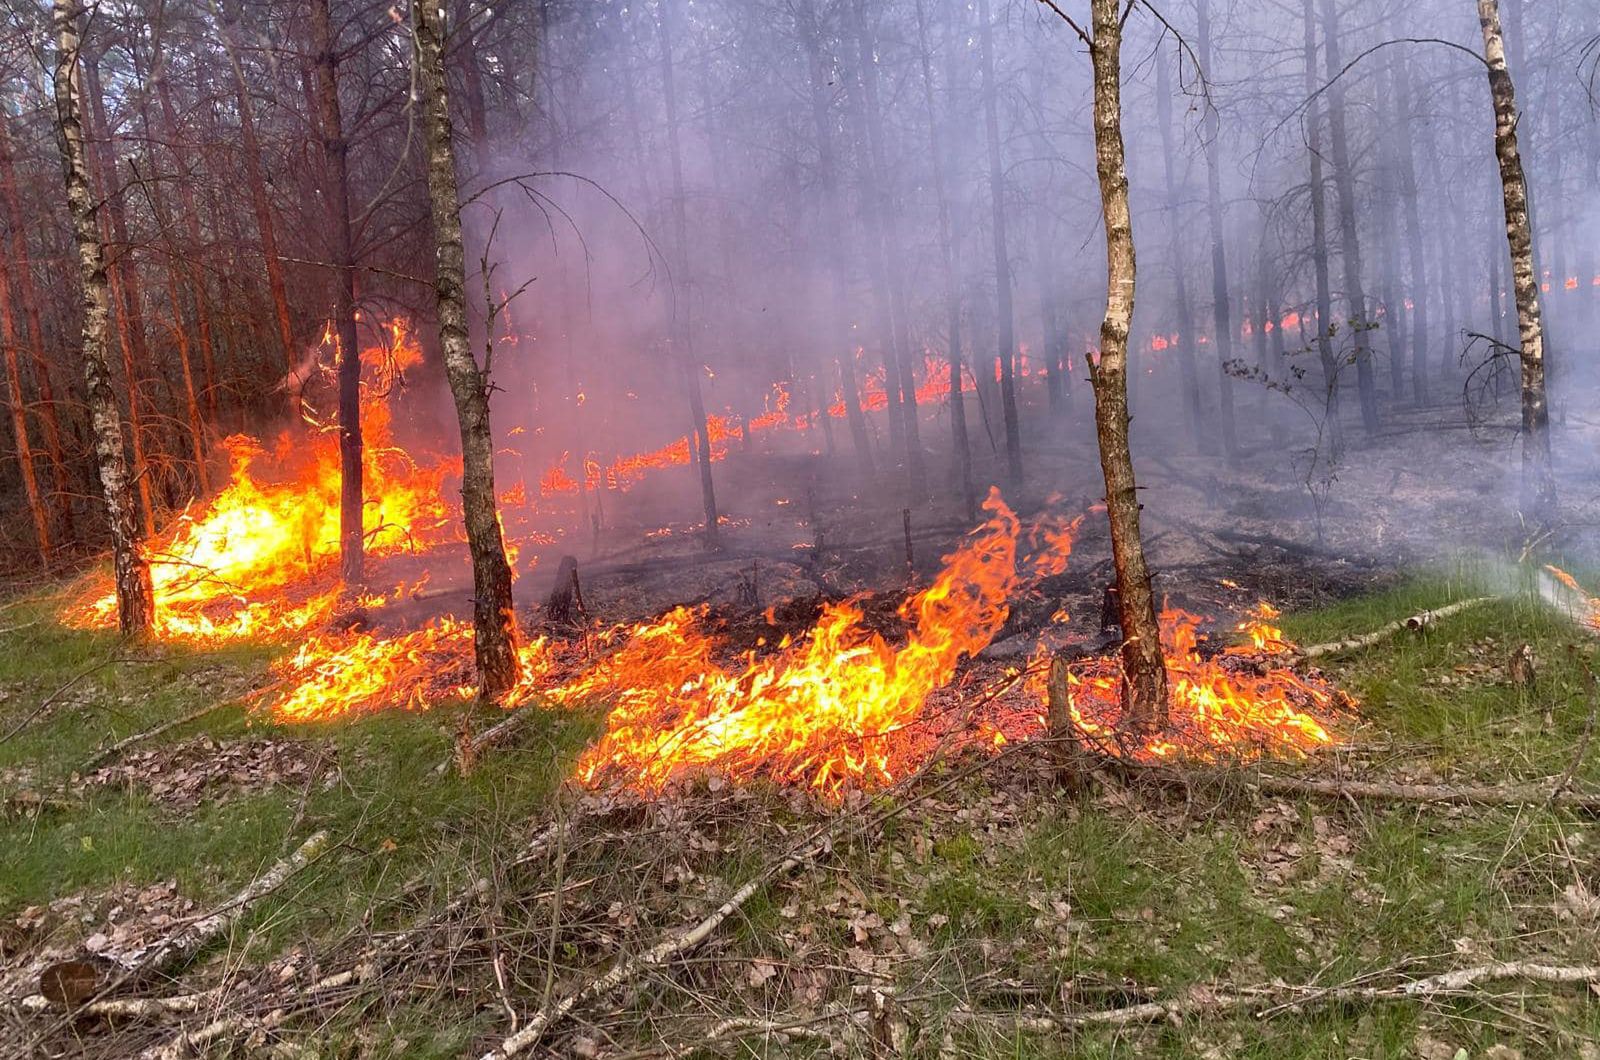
pixel 1416 624
pixel 664 951
pixel 117 748
pixel 1270 1000
pixel 178 947
pixel 1459 794
pixel 127 1007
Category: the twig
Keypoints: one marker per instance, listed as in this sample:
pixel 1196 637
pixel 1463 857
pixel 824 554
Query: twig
pixel 1416 623
pixel 53 696
pixel 127 1007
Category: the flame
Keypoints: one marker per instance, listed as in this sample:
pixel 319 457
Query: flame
pixel 831 708
pixel 1576 602
pixel 1265 638
pixel 236 566
pixel 1215 710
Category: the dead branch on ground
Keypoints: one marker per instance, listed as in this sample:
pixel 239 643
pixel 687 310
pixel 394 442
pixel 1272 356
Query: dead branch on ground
pixel 1417 623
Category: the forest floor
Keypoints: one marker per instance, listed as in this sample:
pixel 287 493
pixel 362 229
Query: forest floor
pixel 972 911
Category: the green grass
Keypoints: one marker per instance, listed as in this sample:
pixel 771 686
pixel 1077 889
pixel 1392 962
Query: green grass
pixel 1143 892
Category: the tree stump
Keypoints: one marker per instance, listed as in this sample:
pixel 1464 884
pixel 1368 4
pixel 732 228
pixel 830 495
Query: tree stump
pixel 1067 753
pixel 564 607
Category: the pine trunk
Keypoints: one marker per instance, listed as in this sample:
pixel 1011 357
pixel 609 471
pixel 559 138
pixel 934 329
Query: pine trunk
pixel 1349 238
pixel 335 152
pixel 1189 373
pixel 1333 425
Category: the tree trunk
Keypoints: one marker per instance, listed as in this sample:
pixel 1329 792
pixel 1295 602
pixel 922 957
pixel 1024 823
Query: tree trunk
pixel 900 379
pixel 700 439
pixel 1416 258
pixel 1319 244
pixel 828 165
pixel 1222 319
pixel 126 298
pixel 1193 409
pixel 135 603
pixel 1538 478
pixel 335 151
pixel 19 421
pixel 196 272
pixel 492 616
pixel 257 182
pixel 22 267
pixel 1144 687
pixel 943 165
pixel 1005 315
pixel 1349 238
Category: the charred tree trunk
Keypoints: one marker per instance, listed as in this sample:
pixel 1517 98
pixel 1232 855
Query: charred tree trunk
pixel 1005 314
pixel 1144 687
pixel 1538 478
pixel 700 439
pixel 1222 319
pixel 1319 244
pixel 335 152
pixel 1349 238
pixel 195 270
pixel 259 202
pixel 135 603
pixel 492 616
pixel 1193 410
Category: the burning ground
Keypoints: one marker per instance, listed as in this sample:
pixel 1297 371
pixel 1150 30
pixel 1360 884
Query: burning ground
pixel 854 740
pixel 949 911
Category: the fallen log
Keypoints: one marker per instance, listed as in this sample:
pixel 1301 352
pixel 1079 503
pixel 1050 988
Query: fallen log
pixel 1417 623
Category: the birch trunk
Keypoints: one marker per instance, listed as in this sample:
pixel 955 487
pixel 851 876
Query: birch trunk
pixel 1144 687
pixel 1538 479
pixel 135 603
pixel 469 383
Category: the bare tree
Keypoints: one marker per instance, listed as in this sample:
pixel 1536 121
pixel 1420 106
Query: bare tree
pixel 135 599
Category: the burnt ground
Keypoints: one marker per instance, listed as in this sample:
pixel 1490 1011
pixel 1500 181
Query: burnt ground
pixel 1277 523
